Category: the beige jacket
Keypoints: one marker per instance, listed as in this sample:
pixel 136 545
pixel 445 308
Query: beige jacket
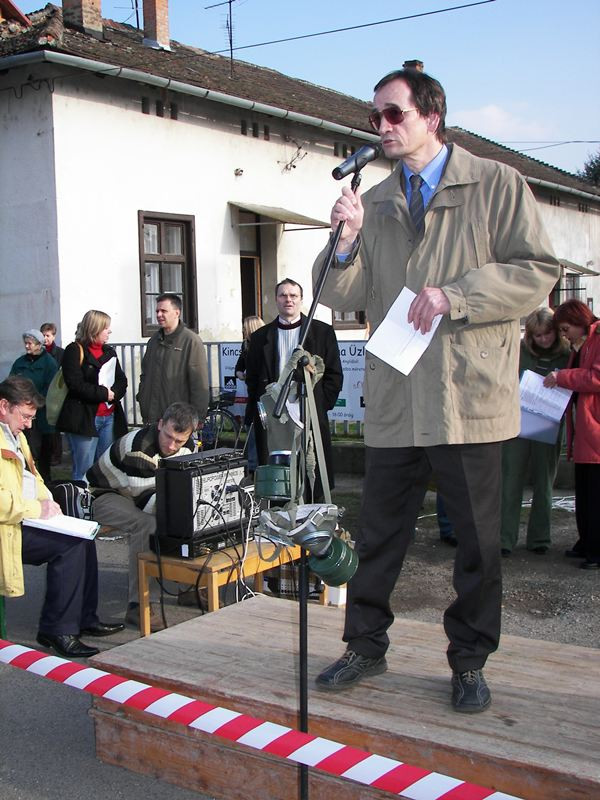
pixel 12 511
pixel 485 246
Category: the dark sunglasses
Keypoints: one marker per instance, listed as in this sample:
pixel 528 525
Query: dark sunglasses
pixel 393 115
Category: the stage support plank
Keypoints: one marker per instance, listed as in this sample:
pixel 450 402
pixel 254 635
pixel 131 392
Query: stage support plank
pixel 540 739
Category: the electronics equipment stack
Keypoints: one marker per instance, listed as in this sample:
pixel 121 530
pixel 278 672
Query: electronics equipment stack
pixel 200 507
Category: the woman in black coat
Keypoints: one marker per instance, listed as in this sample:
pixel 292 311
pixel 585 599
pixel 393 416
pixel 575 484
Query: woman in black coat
pixel 92 416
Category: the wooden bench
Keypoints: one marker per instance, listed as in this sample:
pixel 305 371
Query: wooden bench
pixel 215 570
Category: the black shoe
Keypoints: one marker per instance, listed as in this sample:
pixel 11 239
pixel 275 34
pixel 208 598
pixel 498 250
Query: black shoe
pixel 504 552
pixel 576 551
pixel 67 645
pixel 348 670
pixel 451 540
pixel 539 551
pixel 470 692
pixel 103 629
pixel 590 564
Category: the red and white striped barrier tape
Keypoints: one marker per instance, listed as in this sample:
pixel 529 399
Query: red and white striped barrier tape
pixel 334 758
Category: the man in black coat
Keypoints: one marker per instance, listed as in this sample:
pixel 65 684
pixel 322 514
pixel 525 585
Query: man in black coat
pixel 269 351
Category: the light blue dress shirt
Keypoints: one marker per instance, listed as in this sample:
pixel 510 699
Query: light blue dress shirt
pixel 431 174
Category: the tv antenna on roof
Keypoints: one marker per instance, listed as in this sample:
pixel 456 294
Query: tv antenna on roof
pixel 229 27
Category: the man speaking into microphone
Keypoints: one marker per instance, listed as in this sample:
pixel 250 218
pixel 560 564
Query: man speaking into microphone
pixel 464 234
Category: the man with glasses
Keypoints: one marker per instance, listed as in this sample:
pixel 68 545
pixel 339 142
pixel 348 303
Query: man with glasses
pixel 464 234
pixel 270 350
pixel 72 573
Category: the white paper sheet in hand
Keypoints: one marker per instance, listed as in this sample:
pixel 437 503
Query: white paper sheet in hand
pixel 106 375
pixel 396 341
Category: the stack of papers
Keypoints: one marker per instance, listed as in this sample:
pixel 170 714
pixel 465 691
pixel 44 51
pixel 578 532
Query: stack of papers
pixel 541 408
pixel 69 526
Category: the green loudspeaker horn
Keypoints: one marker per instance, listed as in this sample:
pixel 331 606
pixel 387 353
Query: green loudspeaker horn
pixel 337 565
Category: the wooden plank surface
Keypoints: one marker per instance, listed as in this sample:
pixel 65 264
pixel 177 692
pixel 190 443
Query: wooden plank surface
pixel 543 725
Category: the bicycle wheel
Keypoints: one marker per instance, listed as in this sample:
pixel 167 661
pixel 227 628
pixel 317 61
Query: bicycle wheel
pixel 220 429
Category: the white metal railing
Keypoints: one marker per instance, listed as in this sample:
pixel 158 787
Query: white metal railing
pixel 130 357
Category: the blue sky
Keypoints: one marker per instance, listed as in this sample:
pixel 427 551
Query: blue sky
pixel 522 72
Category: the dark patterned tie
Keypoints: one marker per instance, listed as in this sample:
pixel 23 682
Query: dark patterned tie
pixel 416 208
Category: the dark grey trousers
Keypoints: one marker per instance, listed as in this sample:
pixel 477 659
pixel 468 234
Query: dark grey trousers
pixel 71 579
pixel 121 513
pixel 469 479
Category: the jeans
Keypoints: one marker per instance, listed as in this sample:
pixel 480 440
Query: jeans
pixel 444 524
pixel 85 450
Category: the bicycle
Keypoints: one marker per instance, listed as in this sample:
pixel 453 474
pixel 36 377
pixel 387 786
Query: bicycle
pixel 220 428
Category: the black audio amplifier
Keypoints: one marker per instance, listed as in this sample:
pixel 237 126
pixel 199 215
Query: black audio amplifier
pixel 199 505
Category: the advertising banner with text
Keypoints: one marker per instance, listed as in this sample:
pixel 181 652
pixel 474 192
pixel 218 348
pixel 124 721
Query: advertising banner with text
pixel 350 403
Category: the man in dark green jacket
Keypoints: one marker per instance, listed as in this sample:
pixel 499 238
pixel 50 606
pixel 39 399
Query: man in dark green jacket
pixel 174 367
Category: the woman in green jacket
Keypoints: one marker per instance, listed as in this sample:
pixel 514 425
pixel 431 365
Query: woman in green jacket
pixel 40 368
pixel 542 351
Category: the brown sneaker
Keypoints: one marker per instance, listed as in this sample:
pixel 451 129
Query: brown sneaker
pixel 193 598
pixel 132 617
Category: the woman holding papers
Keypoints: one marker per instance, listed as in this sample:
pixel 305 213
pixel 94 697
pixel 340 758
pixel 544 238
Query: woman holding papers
pixel 542 351
pixel 576 322
pixel 92 416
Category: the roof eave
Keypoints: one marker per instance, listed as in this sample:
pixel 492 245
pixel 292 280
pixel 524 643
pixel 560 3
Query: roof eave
pixel 66 59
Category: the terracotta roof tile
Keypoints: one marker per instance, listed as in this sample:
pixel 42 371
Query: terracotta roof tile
pixel 122 46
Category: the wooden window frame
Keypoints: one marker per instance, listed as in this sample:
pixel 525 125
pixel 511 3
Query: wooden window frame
pixel 569 287
pixel 190 294
pixel 350 324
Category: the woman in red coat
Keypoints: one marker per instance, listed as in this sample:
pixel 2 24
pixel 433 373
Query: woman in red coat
pixel 575 321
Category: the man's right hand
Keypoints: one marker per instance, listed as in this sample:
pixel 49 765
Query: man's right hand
pixel 349 209
pixel 49 509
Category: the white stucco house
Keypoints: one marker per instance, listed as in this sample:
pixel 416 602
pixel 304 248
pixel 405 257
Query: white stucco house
pixel 131 164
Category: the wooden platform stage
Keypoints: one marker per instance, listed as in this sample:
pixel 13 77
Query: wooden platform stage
pixel 540 740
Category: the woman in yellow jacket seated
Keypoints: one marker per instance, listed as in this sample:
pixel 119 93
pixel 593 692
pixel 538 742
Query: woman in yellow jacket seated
pixel 69 608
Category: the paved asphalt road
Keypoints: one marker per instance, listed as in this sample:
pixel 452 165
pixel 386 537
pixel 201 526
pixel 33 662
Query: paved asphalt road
pixel 47 749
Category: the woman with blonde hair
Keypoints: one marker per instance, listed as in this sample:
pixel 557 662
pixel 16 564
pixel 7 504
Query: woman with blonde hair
pixel 249 326
pixel 542 351
pixel 92 416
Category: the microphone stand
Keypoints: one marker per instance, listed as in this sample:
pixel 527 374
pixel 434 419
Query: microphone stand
pixel 303 571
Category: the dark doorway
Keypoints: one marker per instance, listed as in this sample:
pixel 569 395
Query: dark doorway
pixel 250 283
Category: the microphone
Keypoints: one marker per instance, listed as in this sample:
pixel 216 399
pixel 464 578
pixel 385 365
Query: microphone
pixel 354 163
